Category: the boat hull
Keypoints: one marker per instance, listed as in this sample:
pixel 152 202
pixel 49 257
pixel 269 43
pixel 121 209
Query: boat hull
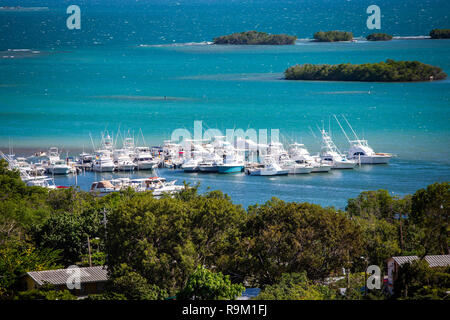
pixel 268 173
pixel 104 169
pixel 373 159
pixel 300 170
pixel 208 168
pixel 59 170
pixel 322 168
pixel 230 169
pixel 343 165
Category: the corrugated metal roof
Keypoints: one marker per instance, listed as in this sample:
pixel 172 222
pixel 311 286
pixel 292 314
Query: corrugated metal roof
pixel 433 261
pixel 404 259
pixel 438 261
pixel 60 276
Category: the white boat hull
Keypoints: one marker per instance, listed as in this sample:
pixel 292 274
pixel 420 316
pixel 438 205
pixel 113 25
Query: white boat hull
pixel 300 170
pixel 268 172
pixel 146 165
pixel 373 159
pixel 104 168
pixel 343 165
pixel 59 170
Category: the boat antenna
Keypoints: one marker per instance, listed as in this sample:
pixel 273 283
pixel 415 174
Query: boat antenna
pixel 348 123
pixel 92 141
pixel 143 139
pixel 343 131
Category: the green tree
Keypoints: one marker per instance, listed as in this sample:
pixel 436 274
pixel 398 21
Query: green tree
pixel 294 237
pixel 296 286
pixel 206 285
pixel 46 292
pixel 417 281
pixel 430 211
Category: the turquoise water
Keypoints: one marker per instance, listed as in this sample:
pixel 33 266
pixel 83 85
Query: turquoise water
pixel 73 87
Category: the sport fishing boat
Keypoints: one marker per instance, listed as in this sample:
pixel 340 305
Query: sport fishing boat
pixel 210 163
pixel 331 155
pixel 301 155
pixel 231 164
pixel 191 165
pixel 360 151
pixel 269 168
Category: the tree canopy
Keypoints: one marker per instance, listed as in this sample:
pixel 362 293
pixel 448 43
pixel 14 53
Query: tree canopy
pixel 332 36
pixel 389 71
pixel 255 38
pixel 379 37
pixel 440 34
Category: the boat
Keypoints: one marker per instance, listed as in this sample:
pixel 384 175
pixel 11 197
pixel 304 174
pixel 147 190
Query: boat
pixel 301 155
pixel 122 160
pixel 40 181
pixel 360 151
pixel 59 167
pixel 143 159
pixel 101 188
pixel 269 168
pixel 330 154
pixel 210 163
pixel 103 163
pixel 231 164
pixel 191 165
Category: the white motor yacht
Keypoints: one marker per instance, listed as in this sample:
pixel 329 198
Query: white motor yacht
pixel 122 160
pixel 331 155
pixel 143 159
pixel 103 163
pixel 59 167
pixel 269 168
pixel 40 181
pixel 301 155
pixel 360 151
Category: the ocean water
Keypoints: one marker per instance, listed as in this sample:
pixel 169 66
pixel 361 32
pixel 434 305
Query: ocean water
pixel 114 72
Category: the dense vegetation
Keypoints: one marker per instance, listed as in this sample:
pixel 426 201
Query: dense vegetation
pixel 332 36
pixel 379 37
pixel 389 71
pixel 440 34
pixel 205 247
pixel 255 37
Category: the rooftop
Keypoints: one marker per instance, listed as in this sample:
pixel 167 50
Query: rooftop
pixel 60 276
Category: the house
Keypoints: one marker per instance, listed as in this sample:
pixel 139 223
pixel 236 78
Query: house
pixel 394 264
pixel 91 279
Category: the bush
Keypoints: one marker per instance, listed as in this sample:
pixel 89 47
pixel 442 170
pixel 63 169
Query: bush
pixel 332 36
pixel 389 71
pixel 255 37
pixel 440 34
pixel 379 37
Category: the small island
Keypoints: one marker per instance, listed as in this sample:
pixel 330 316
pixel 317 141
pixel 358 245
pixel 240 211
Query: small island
pixel 440 34
pixel 256 38
pixel 389 71
pixel 332 36
pixel 379 37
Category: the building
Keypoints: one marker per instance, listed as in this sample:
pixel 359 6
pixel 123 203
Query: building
pixel 91 279
pixel 394 264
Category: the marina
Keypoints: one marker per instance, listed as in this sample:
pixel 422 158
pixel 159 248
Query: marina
pixel 116 164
